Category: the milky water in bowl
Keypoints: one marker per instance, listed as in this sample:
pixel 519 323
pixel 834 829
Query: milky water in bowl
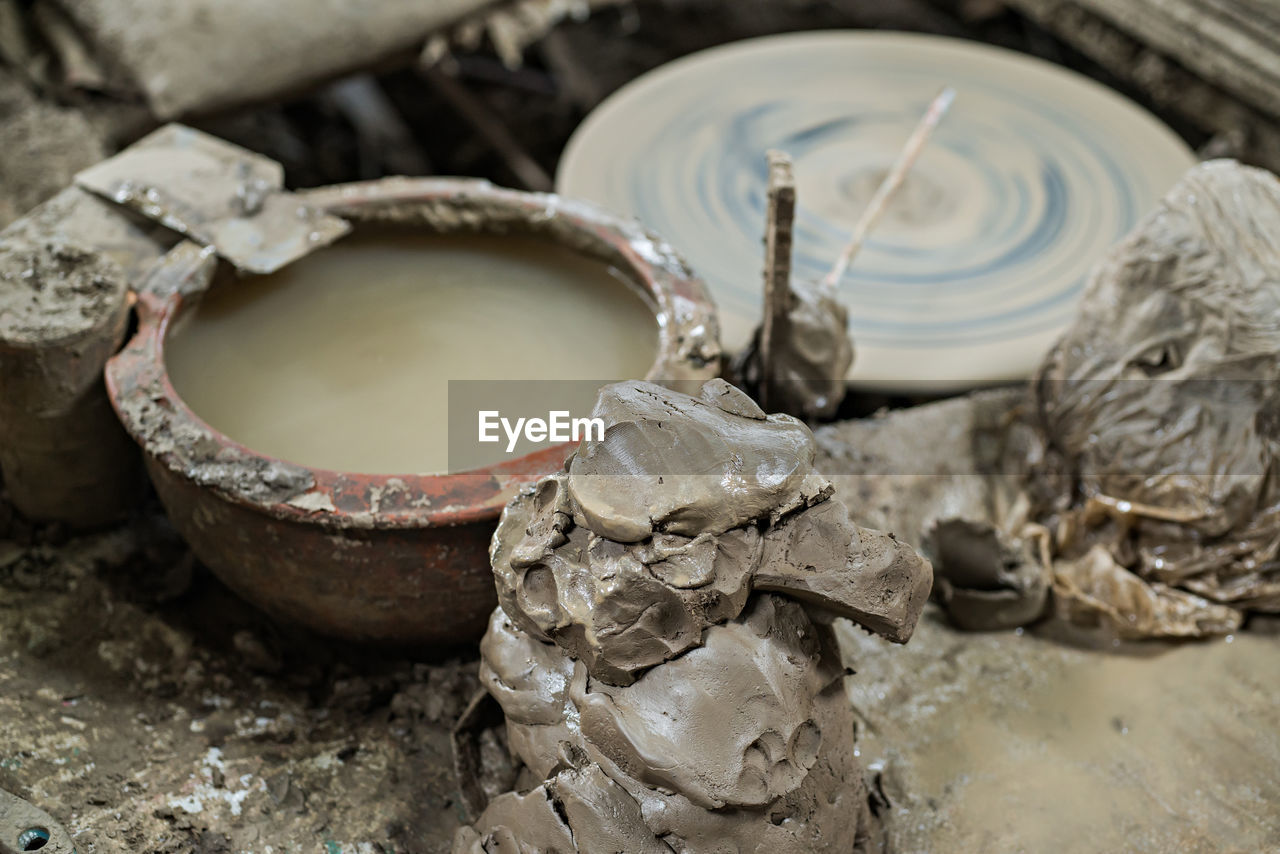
pixel 342 360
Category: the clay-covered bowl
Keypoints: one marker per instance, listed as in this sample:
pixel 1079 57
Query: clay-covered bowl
pixel 381 558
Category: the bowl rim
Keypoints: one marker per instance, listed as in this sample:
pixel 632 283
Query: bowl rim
pixel 172 435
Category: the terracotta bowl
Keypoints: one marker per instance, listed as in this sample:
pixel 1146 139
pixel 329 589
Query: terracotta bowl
pixel 381 558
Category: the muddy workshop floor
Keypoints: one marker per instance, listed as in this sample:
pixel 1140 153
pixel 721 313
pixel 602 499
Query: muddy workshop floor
pixel 149 710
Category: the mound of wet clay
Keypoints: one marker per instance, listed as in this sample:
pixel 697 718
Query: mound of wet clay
pixel 662 652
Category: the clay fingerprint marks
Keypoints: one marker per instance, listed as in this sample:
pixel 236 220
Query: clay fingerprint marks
pixel 730 723
pixel 216 194
pixel 1179 325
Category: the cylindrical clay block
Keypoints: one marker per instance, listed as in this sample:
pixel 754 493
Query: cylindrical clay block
pixel 64 311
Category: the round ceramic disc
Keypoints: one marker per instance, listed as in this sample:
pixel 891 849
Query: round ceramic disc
pixel 981 257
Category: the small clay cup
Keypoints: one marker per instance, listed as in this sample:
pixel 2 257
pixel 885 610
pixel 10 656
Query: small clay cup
pixel 389 559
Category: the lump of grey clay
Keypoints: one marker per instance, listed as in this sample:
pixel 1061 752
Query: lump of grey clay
pixel 621 605
pixel 690 465
pixel 731 722
pixel 745 741
pixel 811 360
pixel 985 581
pixel 669 676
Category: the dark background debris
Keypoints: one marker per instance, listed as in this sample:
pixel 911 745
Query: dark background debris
pixel 397 116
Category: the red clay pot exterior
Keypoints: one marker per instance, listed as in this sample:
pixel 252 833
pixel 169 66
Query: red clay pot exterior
pixel 389 559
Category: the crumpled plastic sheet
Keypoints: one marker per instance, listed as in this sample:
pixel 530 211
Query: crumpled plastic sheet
pixel 1160 408
pixel 1096 591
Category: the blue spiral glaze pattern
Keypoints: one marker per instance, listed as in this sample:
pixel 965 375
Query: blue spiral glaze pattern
pixel 980 260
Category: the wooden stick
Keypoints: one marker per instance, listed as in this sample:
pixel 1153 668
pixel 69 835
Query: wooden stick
pixel 491 128
pixel 777 264
pixel 383 137
pixel 890 184
pixel 577 83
